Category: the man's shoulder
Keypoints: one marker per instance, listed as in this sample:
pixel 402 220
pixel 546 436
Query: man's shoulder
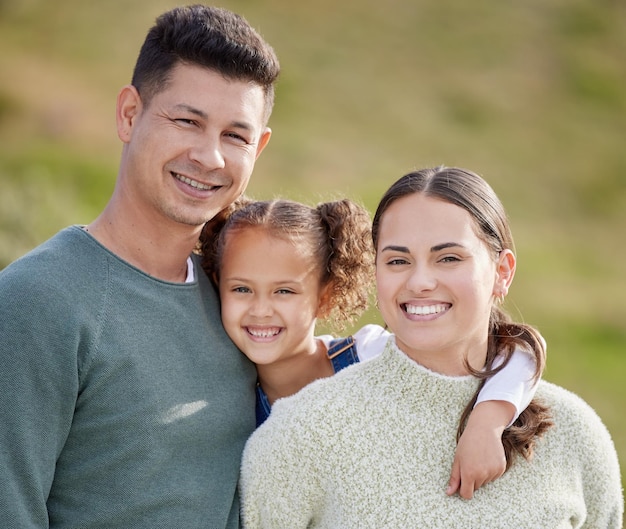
pixel 52 255
pixel 60 272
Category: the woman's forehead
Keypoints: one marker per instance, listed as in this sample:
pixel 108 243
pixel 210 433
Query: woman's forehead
pixel 424 216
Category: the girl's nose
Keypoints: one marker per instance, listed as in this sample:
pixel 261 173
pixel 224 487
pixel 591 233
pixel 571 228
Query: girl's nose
pixel 261 308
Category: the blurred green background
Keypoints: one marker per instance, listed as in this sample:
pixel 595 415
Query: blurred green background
pixel 530 94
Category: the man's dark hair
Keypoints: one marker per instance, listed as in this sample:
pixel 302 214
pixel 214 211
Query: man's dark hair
pixel 211 37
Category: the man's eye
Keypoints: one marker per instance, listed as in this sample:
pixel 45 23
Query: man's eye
pixel 237 137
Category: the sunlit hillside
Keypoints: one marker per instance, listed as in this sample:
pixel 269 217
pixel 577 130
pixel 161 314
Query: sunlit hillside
pixel 530 94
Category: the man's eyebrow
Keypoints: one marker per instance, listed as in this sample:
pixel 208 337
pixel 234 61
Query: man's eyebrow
pixel 201 114
pixel 192 110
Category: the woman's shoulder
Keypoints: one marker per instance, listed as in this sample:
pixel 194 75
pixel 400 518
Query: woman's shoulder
pixel 338 395
pixel 564 402
pixel 579 444
pixel 574 418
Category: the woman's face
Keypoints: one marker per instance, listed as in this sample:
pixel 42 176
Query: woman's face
pixel 436 282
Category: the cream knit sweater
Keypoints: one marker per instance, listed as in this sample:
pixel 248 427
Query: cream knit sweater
pixel 372 447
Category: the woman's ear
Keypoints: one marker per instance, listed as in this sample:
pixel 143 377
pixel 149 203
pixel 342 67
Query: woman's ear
pixel 505 271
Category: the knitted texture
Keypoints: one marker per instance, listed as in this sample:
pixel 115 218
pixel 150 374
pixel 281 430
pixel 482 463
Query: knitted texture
pixel 372 447
pixel 124 404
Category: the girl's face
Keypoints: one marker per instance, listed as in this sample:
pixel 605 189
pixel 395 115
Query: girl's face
pixel 436 282
pixel 270 294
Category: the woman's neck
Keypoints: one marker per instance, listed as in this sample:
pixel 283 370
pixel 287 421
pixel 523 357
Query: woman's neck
pixel 286 377
pixel 451 361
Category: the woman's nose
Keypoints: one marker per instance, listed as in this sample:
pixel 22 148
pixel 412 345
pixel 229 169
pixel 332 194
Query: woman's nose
pixel 421 278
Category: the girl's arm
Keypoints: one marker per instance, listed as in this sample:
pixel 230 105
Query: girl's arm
pixel 514 383
pixel 479 456
pixel 370 341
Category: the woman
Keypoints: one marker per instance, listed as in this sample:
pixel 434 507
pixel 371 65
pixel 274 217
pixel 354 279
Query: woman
pixel 370 447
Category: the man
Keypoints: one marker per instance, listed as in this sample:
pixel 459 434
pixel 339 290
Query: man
pixel 123 402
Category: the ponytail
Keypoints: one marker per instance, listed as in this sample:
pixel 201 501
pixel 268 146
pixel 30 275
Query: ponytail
pixel 504 337
pixel 349 267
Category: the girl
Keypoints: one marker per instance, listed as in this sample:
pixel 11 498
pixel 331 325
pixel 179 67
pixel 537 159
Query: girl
pixel 280 265
pixel 367 447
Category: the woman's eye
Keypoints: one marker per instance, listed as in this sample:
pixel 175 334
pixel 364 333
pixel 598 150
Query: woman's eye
pixel 449 259
pixel 396 262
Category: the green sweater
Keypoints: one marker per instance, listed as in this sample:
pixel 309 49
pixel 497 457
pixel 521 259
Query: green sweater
pixel 123 403
pixel 372 448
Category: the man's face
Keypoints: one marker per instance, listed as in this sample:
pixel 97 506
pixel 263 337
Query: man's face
pixel 190 152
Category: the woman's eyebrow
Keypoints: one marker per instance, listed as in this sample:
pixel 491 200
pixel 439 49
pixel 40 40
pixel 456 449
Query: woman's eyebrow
pixel 443 246
pixel 436 248
pixel 392 248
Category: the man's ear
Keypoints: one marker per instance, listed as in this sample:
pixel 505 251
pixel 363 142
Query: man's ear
pixel 263 141
pixel 129 106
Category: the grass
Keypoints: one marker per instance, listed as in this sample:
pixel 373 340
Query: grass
pixel 530 94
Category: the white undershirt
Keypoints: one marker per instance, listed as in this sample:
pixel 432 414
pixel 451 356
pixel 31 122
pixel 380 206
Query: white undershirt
pixel 190 271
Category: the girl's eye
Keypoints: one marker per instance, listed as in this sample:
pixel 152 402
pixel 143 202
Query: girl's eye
pixel 242 290
pixel 284 291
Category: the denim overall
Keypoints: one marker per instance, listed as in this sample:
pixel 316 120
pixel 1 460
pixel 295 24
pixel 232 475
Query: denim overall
pixel 341 353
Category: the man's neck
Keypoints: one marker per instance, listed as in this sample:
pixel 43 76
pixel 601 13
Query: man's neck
pixel 161 253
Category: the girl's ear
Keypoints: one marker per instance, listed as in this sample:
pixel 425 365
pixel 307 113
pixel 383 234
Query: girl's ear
pixel 505 271
pixel 324 305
